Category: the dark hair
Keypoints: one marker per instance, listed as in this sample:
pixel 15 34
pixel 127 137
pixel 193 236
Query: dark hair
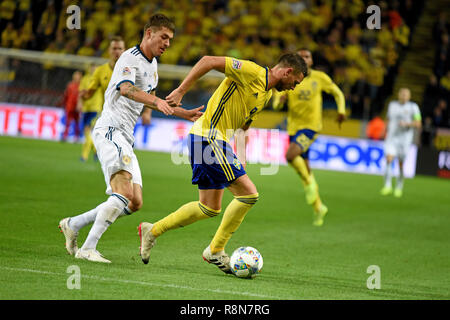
pixel 116 39
pixel 295 61
pixel 158 21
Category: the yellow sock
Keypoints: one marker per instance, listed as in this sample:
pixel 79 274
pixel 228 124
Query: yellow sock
pixel 87 145
pixel 185 215
pixel 232 218
pixel 299 165
pixel 317 204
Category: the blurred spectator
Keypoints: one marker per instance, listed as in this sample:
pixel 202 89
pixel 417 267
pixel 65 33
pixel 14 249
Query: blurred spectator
pixel 428 132
pixel 431 95
pixel 376 128
pixel 401 34
pixel 440 114
pixel 9 35
pixel 442 56
pixel 24 8
pixel 445 81
pixel 7 8
pixel 395 20
pixel 440 27
pixel 70 102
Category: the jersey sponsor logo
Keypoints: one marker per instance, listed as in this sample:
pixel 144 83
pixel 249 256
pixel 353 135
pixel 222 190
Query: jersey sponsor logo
pixel 126 71
pixel 236 64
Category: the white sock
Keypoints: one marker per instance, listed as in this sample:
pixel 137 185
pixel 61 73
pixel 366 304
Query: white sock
pixel 388 176
pixel 399 184
pixel 78 222
pixel 107 214
pixel 82 220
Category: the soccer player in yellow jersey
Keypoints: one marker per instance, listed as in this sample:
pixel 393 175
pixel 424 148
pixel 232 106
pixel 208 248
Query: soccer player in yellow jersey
pixel 243 93
pixel 92 93
pixel 89 108
pixel 305 122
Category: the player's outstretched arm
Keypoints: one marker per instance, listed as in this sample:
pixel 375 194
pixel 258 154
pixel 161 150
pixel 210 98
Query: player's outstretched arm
pixel 131 92
pixel 203 66
pixel 191 115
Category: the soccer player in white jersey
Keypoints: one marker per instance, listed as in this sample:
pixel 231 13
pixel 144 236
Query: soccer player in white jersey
pixel 403 117
pixel 130 90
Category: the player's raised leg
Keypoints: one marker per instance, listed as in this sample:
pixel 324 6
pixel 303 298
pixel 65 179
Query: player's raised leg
pixel 294 158
pixel 209 205
pixel 301 166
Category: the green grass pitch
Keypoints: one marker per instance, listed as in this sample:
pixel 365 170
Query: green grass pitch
pixel 43 182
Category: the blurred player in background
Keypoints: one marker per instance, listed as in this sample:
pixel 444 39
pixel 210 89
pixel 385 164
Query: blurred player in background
pixel 130 91
pixel 92 91
pixel 89 109
pixel 243 93
pixel 304 122
pixel 376 128
pixel 70 101
pixel 403 117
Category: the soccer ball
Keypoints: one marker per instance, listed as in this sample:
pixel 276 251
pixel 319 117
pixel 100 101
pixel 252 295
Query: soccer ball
pixel 246 262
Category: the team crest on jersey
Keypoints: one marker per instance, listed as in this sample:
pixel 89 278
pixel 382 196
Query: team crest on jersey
pixel 236 64
pixel 237 164
pixel 126 71
pixel 126 160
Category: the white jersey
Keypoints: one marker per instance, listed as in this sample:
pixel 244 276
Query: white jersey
pixel 397 113
pixel 118 111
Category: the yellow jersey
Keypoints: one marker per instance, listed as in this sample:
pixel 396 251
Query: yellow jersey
pixel 100 79
pixel 238 99
pixel 95 102
pixel 305 102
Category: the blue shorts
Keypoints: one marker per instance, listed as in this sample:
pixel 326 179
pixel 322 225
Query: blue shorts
pixel 87 119
pixel 304 138
pixel 214 164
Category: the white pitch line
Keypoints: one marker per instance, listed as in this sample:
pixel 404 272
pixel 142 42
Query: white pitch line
pixel 144 283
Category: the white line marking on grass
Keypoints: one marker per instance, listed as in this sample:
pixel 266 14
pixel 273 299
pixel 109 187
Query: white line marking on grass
pixel 144 283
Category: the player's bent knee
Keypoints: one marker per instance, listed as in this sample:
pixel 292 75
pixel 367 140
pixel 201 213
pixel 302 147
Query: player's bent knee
pixel 290 156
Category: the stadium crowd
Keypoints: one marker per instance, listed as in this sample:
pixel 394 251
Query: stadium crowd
pixel 436 97
pixel 362 62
